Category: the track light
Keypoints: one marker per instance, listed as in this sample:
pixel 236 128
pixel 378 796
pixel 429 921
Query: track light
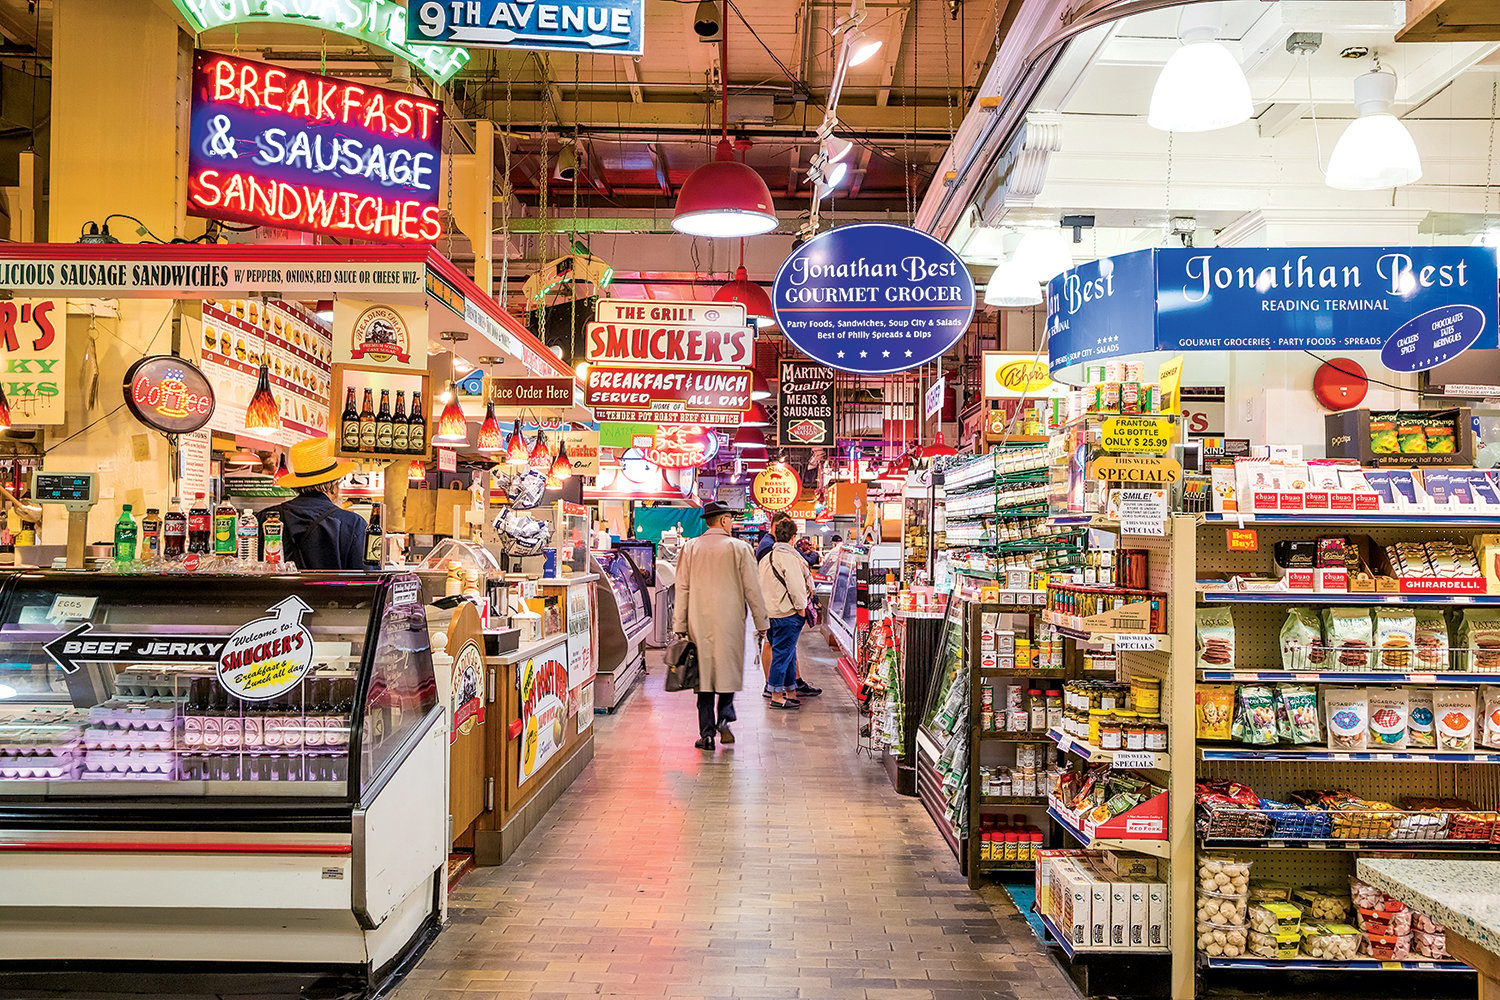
pixel 567 163
pixel 859 46
pixel 1375 151
pixel 1012 287
pixel 836 149
pixel 708 20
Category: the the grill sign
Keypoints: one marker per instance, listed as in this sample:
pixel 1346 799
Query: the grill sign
pixel 691 334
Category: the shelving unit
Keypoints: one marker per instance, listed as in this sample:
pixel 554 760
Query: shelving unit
pixel 1274 771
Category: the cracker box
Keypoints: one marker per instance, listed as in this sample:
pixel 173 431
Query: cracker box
pixel 1140 913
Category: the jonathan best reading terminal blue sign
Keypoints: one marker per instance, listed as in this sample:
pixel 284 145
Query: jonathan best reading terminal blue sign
pixel 873 298
pixel 614 27
pixel 1417 306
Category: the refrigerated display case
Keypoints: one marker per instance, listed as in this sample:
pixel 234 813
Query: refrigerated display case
pixel 219 769
pixel 624 623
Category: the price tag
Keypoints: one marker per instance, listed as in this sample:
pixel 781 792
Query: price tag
pixel 1424 678
pixel 71 607
pixel 1275 843
pixel 1240 675
pixel 1127 760
pixel 1390 965
pixel 1065 743
pixel 1304 677
pixel 1128 641
pixel 1241 540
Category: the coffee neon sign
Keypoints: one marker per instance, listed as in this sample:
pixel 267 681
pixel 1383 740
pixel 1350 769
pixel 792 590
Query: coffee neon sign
pixel 168 394
pixel 272 146
pixel 378 22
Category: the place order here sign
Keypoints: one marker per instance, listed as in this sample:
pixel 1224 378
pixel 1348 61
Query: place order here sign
pixel 669 362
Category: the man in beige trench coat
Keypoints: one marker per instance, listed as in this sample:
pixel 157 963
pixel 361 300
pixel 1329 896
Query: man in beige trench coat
pixel 716 582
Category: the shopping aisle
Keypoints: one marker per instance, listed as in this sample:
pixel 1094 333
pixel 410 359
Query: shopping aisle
pixel 781 867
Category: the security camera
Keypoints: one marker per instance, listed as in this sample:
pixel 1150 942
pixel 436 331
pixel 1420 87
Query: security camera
pixel 708 21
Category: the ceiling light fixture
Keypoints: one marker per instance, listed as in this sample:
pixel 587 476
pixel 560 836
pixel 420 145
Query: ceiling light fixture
pixel 1375 151
pixel 416 471
pixel 489 440
pixel 515 446
pixel 759 387
pixel 749 294
pixel 263 413
pixel 562 467
pixel 1011 287
pixel 1043 254
pixel 837 149
pixel 724 198
pixel 749 439
pixel 541 456
pixel 756 416
pixel 567 163
pixel 1202 87
pixel 707 20
pixel 452 427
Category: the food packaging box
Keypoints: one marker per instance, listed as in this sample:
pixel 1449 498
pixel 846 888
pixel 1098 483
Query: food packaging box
pixel 1119 914
pixel 1099 915
pixel 1140 913
pixel 1300 580
pixel 1156 918
pixel 1302 554
pixel 1080 908
pixel 1005 642
pixel 1487 551
pixel 1130 866
pixel 1332 581
pixel 1225 496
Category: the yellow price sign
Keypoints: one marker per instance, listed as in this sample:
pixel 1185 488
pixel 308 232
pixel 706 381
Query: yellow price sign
pixel 1170 380
pixel 1146 434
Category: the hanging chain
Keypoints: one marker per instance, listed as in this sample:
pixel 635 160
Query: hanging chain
pixel 1167 194
pixel 452 208
pixel 506 189
pixel 1489 160
pixel 323 55
pixel 543 183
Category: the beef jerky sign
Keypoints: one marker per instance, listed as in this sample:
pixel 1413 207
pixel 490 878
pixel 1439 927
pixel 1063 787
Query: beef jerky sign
pixel 804 416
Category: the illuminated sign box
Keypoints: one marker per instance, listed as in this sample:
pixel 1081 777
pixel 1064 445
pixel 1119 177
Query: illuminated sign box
pixel 275 147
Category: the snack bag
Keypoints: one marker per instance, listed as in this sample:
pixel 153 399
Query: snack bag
pixel 1479 636
pixel 1453 711
pixel 1388 718
pixel 1383 440
pixel 1419 721
pixel 1395 638
pixel 1299 704
pixel 1215 711
pixel 1489 727
pixel 1215 638
pixel 1432 639
pixel 1255 715
pixel 1350 635
pixel 1302 640
pixel 1348 717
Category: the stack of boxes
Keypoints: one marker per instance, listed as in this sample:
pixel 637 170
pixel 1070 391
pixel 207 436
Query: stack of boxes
pixel 1103 900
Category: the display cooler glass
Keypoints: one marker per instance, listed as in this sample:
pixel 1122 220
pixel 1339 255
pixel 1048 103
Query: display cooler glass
pixel 126 685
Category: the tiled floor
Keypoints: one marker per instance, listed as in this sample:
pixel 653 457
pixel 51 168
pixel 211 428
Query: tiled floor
pixel 781 867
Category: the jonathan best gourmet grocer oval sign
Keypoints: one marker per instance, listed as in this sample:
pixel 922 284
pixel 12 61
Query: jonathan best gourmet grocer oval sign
pixel 873 298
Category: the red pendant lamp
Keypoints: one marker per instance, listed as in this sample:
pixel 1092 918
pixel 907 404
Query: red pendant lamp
pixel 938 449
pixel 452 427
pixel 489 442
pixel 748 294
pixel 262 413
pixel 756 416
pixel 282 472
pixel 562 468
pixel 759 387
pixel 749 438
pixel 515 448
pixel 416 471
pixel 724 198
pixel 541 456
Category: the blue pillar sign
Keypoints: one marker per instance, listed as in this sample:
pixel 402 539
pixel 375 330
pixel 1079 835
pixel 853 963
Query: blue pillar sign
pixel 606 27
pixel 873 298
pixel 1417 306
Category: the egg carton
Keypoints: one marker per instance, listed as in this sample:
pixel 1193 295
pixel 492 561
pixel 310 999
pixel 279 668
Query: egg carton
pixel 52 769
pixel 135 714
pixel 127 739
pixel 130 762
pixel 39 748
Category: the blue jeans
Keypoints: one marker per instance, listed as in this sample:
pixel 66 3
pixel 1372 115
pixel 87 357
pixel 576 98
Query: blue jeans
pixel 784 633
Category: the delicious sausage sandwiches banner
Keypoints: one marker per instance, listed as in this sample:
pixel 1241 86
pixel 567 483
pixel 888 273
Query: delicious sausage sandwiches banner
pixel 1417 306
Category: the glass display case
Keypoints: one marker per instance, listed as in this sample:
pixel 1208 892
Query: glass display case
pixel 624 601
pixel 629 587
pixel 570 537
pixel 937 722
pixel 843 599
pixel 173 719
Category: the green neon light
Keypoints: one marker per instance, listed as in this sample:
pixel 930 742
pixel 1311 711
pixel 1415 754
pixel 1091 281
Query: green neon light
pixel 379 22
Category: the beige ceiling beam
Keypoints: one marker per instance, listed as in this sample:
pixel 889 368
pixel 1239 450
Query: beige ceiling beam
pixel 895 45
pixel 650 115
pixel 1451 21
pixel 633 74
pixel 860 170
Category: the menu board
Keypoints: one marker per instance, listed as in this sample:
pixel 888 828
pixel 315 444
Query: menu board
pixel 299 348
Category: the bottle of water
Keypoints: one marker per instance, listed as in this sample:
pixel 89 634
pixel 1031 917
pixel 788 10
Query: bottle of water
pixel 247 536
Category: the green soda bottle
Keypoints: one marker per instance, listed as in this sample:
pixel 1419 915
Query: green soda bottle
pixel 125 534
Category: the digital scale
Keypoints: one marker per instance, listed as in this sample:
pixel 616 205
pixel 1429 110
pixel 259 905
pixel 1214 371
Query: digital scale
pixel 77 492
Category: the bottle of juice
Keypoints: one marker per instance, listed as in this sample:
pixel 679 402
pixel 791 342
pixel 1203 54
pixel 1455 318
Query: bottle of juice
pixel 247 536
pixel 125 535
pixel 149 548
pixel 225 523
pixel 271 549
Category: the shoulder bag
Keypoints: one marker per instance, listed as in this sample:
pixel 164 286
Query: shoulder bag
pixel 810 612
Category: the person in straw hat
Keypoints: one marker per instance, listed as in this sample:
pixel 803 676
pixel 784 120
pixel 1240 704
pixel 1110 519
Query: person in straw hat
pixel 316 532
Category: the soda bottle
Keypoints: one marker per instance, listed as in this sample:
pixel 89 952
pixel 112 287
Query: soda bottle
pixel 270 549
pixel 125 537
pixel 174 532
pixel 374 539
pixel 247 536
pixel 225 518
pixel 149 549
pixel 200 526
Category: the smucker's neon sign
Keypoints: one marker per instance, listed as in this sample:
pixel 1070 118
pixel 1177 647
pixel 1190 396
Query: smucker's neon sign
pixel 272 146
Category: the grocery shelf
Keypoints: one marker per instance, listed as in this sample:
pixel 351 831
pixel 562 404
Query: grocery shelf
pixel 1382 756
pixel 1061 940
pixel 1162 643
pixel 1007 866
pixel 1310 597
pixel 1004 736
pixel 1355 965
pixel 1098 755
pixel 1314 844
pixel 1349 677
pixel 1155 848
pixel 1345 518
pixel 1012 800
